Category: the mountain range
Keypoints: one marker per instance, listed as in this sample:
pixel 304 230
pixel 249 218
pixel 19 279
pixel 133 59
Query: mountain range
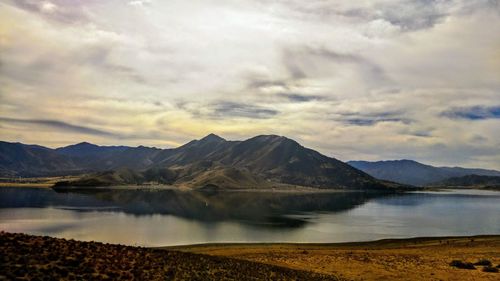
pixel 415 173
pixel 263 161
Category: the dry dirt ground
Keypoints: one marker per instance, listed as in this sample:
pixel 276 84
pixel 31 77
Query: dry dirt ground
pixel 26 257
pixel 406 259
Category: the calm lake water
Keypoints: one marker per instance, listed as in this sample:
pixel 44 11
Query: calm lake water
pixel 161 218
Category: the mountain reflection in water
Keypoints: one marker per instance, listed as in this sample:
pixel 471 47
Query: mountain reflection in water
pixel 266 209
pixel 168 217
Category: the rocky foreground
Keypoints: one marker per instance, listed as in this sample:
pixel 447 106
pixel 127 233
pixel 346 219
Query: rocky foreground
pixel 27 257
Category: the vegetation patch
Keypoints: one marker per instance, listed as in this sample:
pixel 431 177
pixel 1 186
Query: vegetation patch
pixel 483 262
pixel 490 269
pixel 462 265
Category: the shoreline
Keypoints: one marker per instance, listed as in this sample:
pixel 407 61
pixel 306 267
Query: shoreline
pixel 294 189
pixel 386 242
pixel 419 258
pixel 48 183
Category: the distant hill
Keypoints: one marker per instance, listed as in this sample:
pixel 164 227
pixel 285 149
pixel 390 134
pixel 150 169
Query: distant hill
pixel 88 150
pixel 415 173
pixel 21 160
pixel 17 159
pixel 261 161
pixel 471 181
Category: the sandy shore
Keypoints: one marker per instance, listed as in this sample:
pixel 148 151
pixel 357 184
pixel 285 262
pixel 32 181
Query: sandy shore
pixel 405 259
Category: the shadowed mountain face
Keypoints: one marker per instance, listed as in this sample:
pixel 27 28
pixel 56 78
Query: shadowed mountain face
pixel 415 173
pixel 262 161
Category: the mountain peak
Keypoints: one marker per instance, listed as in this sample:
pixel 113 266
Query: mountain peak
pixel 79 145
pixel 269 137
pixel 84 143
pixel 212 138
pixel 273 138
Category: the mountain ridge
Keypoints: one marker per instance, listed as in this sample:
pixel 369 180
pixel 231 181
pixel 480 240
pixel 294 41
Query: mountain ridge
pixel 411 172
pixel 264 160
pixel 488 182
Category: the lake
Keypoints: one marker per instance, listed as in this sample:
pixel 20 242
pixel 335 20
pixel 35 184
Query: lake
pixel 168 217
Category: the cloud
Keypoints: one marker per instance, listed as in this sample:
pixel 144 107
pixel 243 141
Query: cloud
pixel 140 3
pixel 373 121
pixel 71 12
pixel 300 97
pixel 473 112
pixel 226 110
pixel 233 109
pixel 353 79
pixel 371 118
pixel 59 125
pixel 101 56
pixel 413 15
pixel 255 83
pixel 320 70
pixel 409 15
pixel 374 70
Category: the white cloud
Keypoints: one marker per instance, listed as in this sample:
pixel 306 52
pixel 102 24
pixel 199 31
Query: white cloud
pixel 48 7
pixel 140 3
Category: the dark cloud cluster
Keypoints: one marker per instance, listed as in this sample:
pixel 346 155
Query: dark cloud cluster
pixel 370 119
pixel 295 97
pixel 59 125
pixel 408 15
pixel 257 83
pixel 478 112
pixel 228 109
pixel 412 15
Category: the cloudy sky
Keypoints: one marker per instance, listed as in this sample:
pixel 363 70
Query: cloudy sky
pixel 365 79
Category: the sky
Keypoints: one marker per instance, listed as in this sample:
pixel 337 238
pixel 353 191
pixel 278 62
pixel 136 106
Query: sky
pixel 355 80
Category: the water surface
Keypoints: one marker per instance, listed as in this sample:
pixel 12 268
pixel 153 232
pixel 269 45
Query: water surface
pixel 160 218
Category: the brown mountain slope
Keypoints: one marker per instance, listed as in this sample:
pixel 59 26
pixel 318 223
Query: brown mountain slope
pixel 258 162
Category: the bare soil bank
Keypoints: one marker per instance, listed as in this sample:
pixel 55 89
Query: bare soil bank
pixel 26 257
